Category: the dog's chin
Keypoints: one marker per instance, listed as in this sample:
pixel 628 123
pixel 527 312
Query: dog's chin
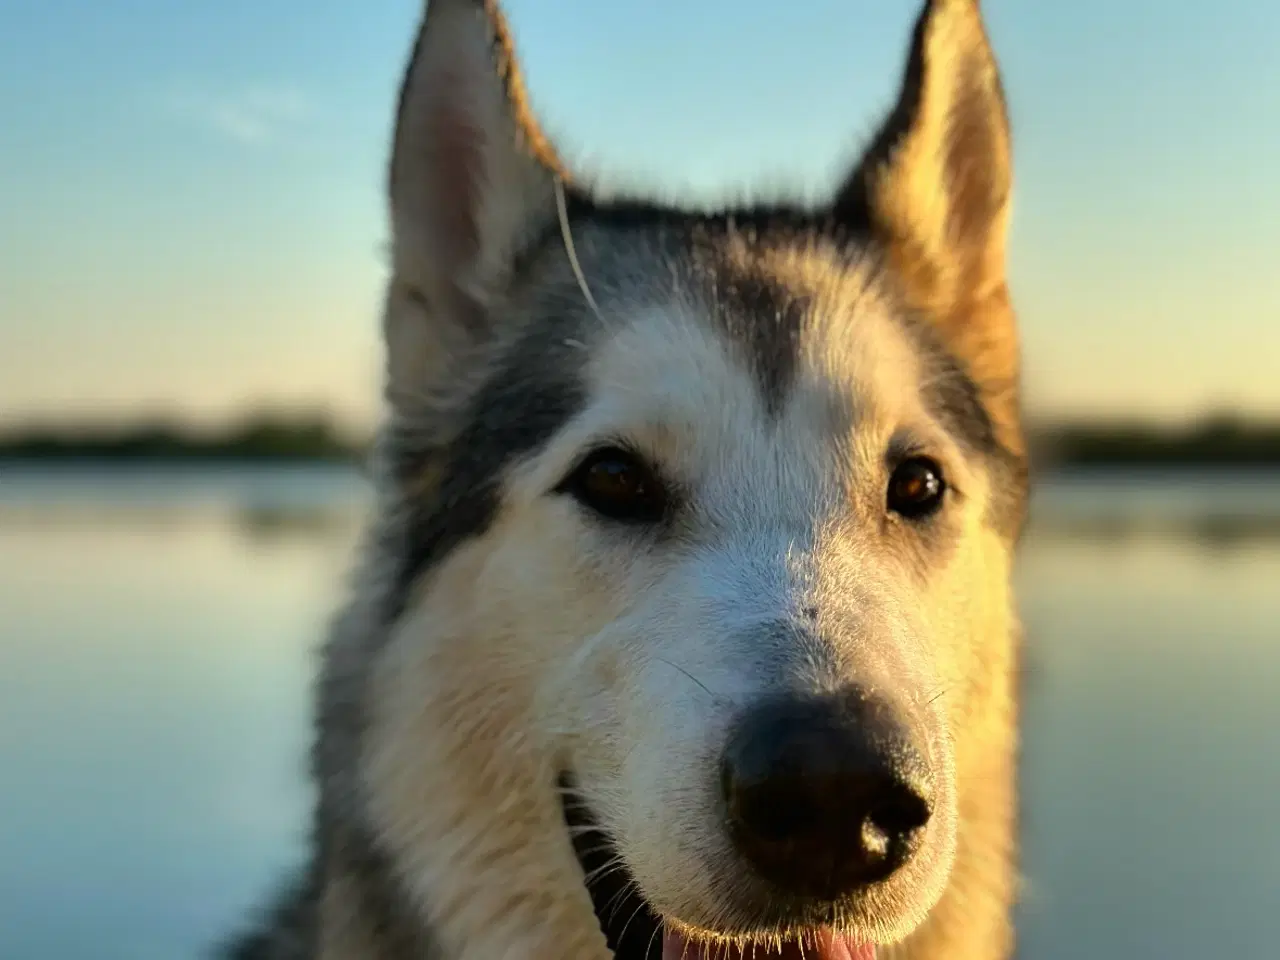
pixel 635 931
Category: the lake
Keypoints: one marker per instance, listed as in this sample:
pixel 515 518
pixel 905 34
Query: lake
pixel 156 637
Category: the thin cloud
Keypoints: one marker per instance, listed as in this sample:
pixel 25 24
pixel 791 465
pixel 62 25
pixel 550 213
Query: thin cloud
pixel 254 115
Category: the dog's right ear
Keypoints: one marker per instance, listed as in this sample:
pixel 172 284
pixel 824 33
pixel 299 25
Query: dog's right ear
pixel 935 187
pixel 471 181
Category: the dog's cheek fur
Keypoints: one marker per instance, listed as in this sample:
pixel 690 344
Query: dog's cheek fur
pixel 459 769
pixel 971 603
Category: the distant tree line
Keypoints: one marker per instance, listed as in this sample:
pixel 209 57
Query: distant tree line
pixel 263 437
pixel 1223 440
pixel 1219 441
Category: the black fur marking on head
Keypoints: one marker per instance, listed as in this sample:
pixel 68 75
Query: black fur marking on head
pixel 766 319
pixel 529 397
pixel 758 314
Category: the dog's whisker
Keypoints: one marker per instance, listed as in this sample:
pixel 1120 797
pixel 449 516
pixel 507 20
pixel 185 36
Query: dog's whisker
pixel 639 907
pixel 675 666
pixel 578 830
pixel 595 850
pixel 604 870
pixel 616 901
pixel 935 697
pixel 659 930
pixel 566 234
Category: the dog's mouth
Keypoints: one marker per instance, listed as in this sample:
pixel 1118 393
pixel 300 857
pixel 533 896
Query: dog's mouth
pixel 635 931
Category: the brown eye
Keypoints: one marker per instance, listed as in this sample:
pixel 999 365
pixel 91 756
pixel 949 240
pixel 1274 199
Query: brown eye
pixel 916 488
pixel 619 486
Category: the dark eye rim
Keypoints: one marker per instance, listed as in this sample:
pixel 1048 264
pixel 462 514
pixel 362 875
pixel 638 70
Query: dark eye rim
pixel 925 509
pixel 651 510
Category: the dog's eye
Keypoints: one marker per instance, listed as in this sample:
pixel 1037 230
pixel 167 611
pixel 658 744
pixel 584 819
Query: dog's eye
pixel 916 488
pixel 618 485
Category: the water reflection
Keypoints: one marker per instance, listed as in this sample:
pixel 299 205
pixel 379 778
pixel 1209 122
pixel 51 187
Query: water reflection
pixel 270 524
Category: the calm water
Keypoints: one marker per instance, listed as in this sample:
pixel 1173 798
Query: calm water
pixel 155 637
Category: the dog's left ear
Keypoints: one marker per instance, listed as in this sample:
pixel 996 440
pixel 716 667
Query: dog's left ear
pixel 935 188
pixel 472 180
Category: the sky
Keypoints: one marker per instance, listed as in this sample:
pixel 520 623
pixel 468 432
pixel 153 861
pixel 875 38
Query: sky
pixel 192 218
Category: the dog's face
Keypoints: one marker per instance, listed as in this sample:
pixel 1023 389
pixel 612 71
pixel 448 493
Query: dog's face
pixel 707 519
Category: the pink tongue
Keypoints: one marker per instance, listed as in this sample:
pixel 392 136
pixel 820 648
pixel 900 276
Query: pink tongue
pixel 828 947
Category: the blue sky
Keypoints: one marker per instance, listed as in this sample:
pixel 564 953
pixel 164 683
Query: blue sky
pixel 190 194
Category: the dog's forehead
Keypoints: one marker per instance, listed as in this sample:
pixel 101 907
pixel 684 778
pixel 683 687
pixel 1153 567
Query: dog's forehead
pixel 784 358
pixel 741 335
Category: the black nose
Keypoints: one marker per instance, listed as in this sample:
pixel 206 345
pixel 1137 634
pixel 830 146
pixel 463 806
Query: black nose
pixel 825 795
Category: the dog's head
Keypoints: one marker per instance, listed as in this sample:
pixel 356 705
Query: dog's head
pixel 709 515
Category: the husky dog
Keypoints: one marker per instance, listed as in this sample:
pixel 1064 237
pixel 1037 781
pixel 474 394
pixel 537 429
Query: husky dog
pixel 684 627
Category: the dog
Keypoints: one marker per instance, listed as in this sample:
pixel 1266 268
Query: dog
pixel 684 626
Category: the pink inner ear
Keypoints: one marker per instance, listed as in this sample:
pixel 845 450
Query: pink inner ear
pixel 455 168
